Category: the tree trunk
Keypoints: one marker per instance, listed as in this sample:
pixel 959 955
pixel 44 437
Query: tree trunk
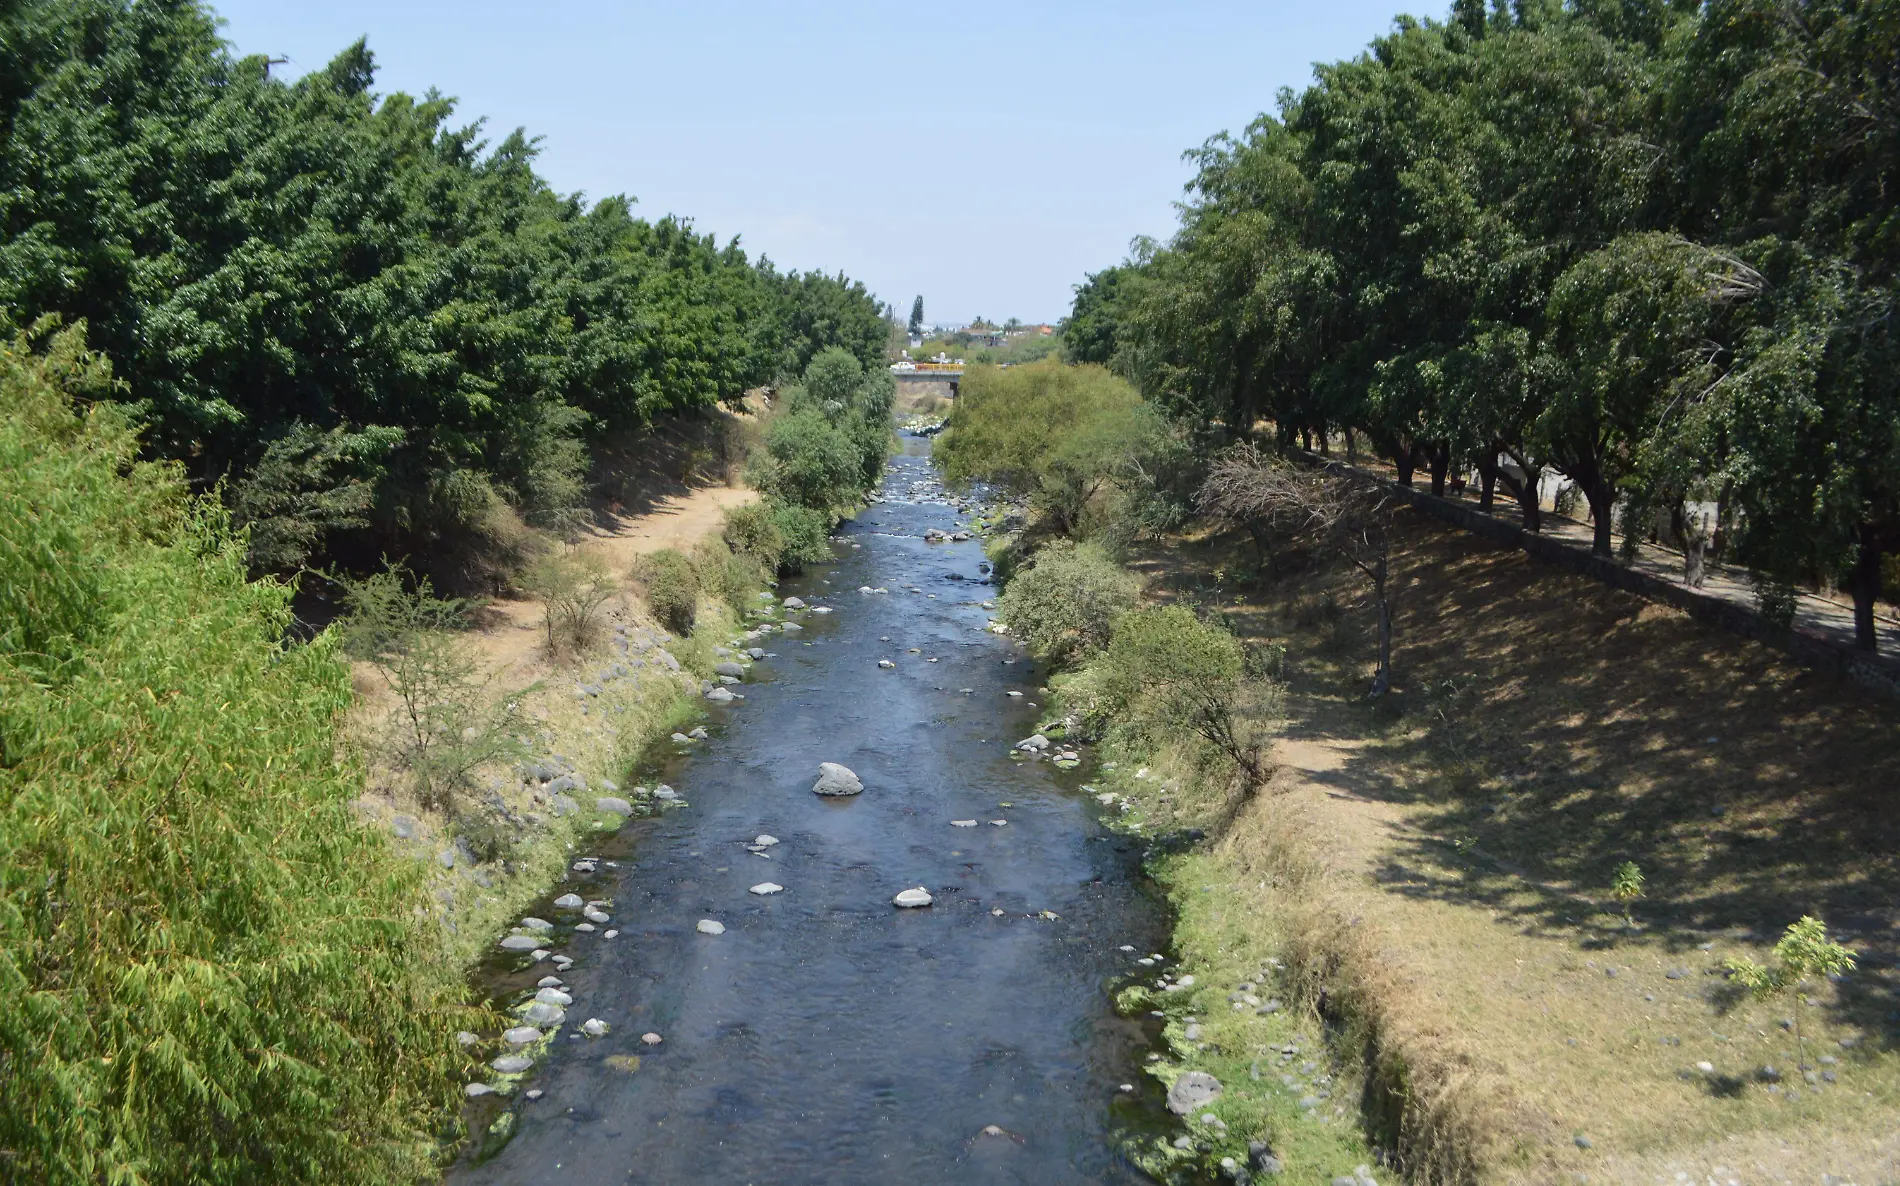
pixel 1404 460
pixel 1325 445
pixel 1602 497
pixel 1695 549
pixel 1866 582
pixel 1440 459
pixel 1352 449
pixel 1487 480
pixel 1526 493
pixel 1382 678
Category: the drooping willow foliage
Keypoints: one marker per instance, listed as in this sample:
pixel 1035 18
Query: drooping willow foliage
pixel 1652 245
pixel 370 324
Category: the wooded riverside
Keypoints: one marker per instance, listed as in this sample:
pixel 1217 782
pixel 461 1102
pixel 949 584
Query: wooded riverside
pixel 1650 246
pixel 368 327
pixel 428 596
pixel 250 327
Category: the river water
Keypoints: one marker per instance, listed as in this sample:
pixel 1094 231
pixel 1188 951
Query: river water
pixel 826 1036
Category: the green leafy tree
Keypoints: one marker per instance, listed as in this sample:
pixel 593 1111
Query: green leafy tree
pixel 1804 951
pixel 1626 885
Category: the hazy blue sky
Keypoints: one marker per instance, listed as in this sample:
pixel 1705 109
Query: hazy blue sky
pixel 984 155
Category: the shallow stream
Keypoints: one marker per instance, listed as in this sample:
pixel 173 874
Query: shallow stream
pixel 827 1036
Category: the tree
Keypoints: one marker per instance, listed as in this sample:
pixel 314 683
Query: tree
pixel 917 316
pixel 1350 517
pixel 1002 431
pixel 1804 951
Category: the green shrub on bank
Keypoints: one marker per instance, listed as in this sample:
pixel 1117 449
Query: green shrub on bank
pixel 1064 604
pixel 807 535
pixel 1166 675
pixel 732 577
pixel 809 461
pixel 783 538
pixel 752 530
pixel 209 972
pixel 1076 441
pixel 671 586
pixel 826 448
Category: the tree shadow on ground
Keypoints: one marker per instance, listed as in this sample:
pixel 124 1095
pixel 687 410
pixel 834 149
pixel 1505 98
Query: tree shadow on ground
pixel 1548 728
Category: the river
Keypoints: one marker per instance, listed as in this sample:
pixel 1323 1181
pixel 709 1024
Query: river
pixel 826 1036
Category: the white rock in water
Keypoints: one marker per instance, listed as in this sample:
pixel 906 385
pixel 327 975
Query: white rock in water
pixel 912 898
pixel 764 841
pixel 821 609
pixel 593 915
pixel 834 779
pixel 864 588
pixel 594 1027
pixel 568 901
pixel 512 1064
pixel 766 887
pixel 999 823
pixel 719 695
pixel 886 664
pixel 520 943
pixel 553 996
pixel 521 1035
pixel 707 926
pixel 665 792
pixel 542 1013
pixel 963 823
pixel 793 603
pixel 477 1090
pixel 651 1039
pixel 536 924
pixel 548 982
pixel 1192 1090
pixel 584 926
pixel 1015 695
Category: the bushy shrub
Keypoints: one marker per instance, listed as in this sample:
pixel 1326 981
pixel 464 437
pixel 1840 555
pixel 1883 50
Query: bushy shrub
pixel 1065 602
pixel 732 577
pixel 210 971
pixel 446 722
pixel 1166 673
pixel 828 446
pixel 808 462
pixel 572 586
pixel 807 535
pixel 1071 439
pixel 752 530
pixel 670 585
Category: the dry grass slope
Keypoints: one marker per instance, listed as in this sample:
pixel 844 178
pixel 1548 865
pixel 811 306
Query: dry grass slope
pixel 1434 870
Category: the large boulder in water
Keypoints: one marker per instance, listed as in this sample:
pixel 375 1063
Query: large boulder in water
pixel 834 779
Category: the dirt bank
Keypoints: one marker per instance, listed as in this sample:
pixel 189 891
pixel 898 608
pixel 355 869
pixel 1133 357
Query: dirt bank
pixel 1434 871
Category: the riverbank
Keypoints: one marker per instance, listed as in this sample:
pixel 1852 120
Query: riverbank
pixel 1432 874
pixel 594 712
pixel 818 1033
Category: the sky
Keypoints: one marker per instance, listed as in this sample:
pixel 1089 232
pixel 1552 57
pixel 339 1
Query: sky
pixel 987 157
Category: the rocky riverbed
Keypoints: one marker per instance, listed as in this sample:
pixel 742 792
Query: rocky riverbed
pixel 894 971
